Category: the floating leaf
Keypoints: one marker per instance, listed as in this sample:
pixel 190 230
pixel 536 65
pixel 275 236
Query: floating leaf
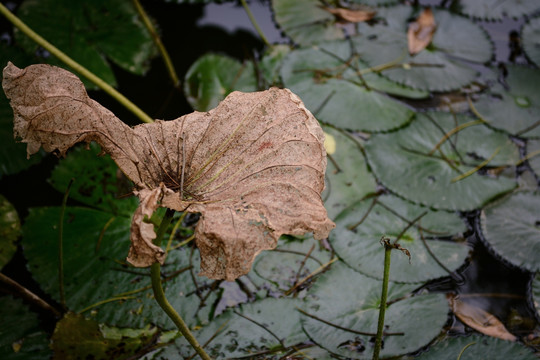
pixel 514 106
pixel 326 78
pixel 20 334
pixel 497 9
pixel 89 33
pixel 409 164
pixel 350 300
pixel 10 230
pixel 253 167
pixel 530 35
pixel 351 15
pixel 516 217
pixel 361 249
pixel 347 177
pixel 270 64
pixel 78 338
pixel 441 67
pixel 97 181
pixel 305 22
pixel 477 347
pixel 533 150
pixel 421 31
pixel 479 319
pixel 97 280
pixel 212 77
pixel 535 287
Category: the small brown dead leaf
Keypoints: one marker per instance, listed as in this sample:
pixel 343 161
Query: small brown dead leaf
pixel 253 167
pixel 345 15
pixel 421 31
pixel 479 319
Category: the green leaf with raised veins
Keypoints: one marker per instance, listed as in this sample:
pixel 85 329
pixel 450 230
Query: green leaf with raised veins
pixel 10 230
pixel 350 300
pixel 514 106
pixel 361 249
pixel 512 229
pixel 96 244
pixel 439 67
pixel 402 162
pixel 347 177
pixel 90 33
pixel 477 347
pixel 331 88
pixel 212 77
pixel 497 9
pixel 20 335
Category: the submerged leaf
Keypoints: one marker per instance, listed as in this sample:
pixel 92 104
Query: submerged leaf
pixel 421 32
pixel 253 167
pixel 479 319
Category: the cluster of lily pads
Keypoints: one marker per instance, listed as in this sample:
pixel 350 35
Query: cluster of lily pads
pixel 393 171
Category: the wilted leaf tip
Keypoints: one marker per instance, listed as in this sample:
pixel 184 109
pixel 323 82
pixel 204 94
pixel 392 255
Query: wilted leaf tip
pixel 253 167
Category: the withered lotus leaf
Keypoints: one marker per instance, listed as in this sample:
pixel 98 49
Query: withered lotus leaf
pixel 253 167
pixel 420 32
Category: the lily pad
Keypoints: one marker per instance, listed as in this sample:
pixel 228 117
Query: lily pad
pixel 441 66
pixel 443 180
pixel 97 181
pixel 20 334
pixel 497 9
pixel 530 35
pixel 98 281
pixel 212 77
pixel 347 177
pixel 10 230
pixel 535 287
pixel 90 33
pixel 270 64
pixel 305 22
pixel 533 150
pixel 331 88
pixel 516 217
pixel 514 107
pixel 477 347
pixel 245 331
pixel 350 300
pixel 361 249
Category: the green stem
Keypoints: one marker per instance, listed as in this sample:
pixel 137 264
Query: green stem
pixel 164 54
pixel 382 308
pixel 75 65
pixel 61 247
pixel 159 294
pixel 255 24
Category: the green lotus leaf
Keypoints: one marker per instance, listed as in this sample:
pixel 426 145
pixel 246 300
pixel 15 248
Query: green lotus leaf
pixel 331 88
pixel 97 181
pixel 347 177
pixel 10 230
pixel 360 247
pixel 270 64
pixel 441 66
pixel 514 107
pixel 533 150
pixel 477 347
pixel 76 337
pixel 20 335
pixel 12 154
pixel 90 33
pixel 445 179
pixel 305 22
pixel 212 77
pixel 245 330
pixel 290 262
pixel 97 280
pixel 497 9
pixel 351 300
pixel 515 218
pixel 530 35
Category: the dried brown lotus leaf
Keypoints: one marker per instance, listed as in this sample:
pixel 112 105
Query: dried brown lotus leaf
pixel 253 167
pixel 421 31
pixel 346 15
